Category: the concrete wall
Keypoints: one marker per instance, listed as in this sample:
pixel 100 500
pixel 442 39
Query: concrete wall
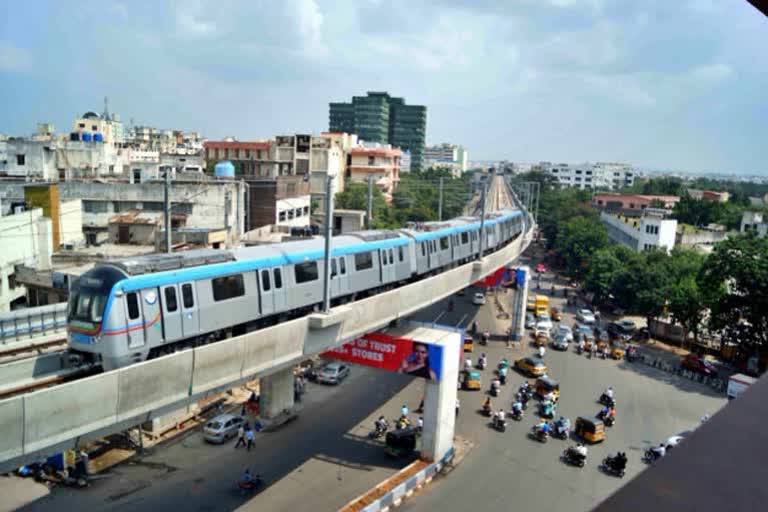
pixel 71 222
pixel 56 417
pixel 26 238
pixel 700 237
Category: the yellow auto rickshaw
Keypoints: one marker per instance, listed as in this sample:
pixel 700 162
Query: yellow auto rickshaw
pixel 469 343
pixel 618 350
pixel 472 381
pixel 556 314
pixel 546 385
pixel 591 430
pixel 541 338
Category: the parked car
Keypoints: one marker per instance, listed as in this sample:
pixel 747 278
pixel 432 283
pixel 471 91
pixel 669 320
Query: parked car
pixel 333 373
pixel 222 428
pixel 530 321
pixel 544 322
pixel 583 331
pixel 622 330
pixel 561 342
pixel 478 299
pixel 698 364
pixel 585 316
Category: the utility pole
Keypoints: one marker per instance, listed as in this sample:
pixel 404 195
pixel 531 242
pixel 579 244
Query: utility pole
pixel 482 222
pixel 440 202
pixel 369 213
pixel 167 200
pixel 227 209
pixel 328 233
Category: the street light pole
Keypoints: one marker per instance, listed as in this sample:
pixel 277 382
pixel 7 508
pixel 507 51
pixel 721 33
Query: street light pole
pixel 167 201
pixel 440 202
pixel 369 213
pixel 482 222
pixel 327 233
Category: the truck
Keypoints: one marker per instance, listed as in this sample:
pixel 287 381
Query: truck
pixel 738 383
pixel 542 305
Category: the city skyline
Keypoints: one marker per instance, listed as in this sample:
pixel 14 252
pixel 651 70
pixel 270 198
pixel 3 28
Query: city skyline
pixel 656 85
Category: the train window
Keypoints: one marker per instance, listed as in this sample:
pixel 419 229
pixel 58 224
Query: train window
pixel 465 238
pixel 305 272
pixel 423 250
pixel 278 278
pixel 444 243
pixel 333 268
pixel 400 253
pixel 186 296
pixel 391 256
pixel 228 287
pixel 170 299
pixel 265 284
pixel 343 265
pixel 133 306
pixel 363 261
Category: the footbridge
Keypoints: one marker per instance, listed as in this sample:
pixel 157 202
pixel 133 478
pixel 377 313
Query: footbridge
pixel 48 420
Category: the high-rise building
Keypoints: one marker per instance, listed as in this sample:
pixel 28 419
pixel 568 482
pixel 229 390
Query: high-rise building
pixel 448 156
pixel 378 117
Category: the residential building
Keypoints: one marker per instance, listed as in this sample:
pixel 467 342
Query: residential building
pixel 641 233
pixel 598 176
pixel 3 152
pixel 250 158
pixel 283 200
pixel 27 239
pixel 631 204
pixel 754 221
pixel 348 221
pixel 446 155
pixel 379 162
pixel 710 195
pixel 379 117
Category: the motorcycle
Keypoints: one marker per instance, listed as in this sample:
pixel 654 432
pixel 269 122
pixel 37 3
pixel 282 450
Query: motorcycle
pixel 559 434
pixel 571 457
pixel 499 424
pixel 502 378
pixel 486 411
pixel 539 434
pixel 378 431
pixel 579 349
pixel 481 364
pixel 650 456
pixel 250 485
pixel 494 391
pixel 606 400
pixel 614 466
pixel 517 415
pixel 485 337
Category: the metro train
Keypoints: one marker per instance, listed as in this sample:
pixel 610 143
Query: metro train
pixel 125 311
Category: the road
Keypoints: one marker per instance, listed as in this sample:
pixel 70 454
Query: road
pixel 509 470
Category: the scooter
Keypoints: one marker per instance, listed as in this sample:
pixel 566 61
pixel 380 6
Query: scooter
pixel 485 337
pixel 558 434
pixel 249 486
pixel 539 434
pixel 494 391
pixel 517 415
pixel 572 458
pixel 486 411
pixel 377 432
pixel 606 400
pixel 481 364
pixel 499 424
pixel 610 466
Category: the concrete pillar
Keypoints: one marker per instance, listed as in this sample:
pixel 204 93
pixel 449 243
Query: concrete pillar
pixel 276 393
pixel 519 305
pixel 440 405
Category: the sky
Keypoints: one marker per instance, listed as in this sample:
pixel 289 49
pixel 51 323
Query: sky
pixel 665 84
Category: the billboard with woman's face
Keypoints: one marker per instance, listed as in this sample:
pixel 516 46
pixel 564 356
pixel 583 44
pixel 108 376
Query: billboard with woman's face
pixel 403 355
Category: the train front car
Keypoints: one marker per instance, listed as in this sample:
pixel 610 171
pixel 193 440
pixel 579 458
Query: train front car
pixel 91 312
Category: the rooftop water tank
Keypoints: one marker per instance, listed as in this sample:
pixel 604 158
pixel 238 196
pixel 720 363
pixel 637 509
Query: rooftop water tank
pixel 224 169
pixel 98 137
pixel 86 136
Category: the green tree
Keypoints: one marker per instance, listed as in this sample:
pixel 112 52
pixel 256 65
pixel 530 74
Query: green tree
pixel 735 285
pixel 686 304
pixel 576 242
pixel 604 268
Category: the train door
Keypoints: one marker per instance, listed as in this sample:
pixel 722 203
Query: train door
pixel 171 313
pixel 386 266
pixel 278 290
pixel 190 319
pixel 266 293
pixel 343 277
pixel 335 282
pixel 133 318
pixel 150 308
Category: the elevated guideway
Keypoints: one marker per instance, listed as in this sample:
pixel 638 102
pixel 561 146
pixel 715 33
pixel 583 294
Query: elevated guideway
pixel 48 420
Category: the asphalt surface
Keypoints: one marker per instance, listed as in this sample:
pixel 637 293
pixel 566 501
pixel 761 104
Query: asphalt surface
pixel 511 471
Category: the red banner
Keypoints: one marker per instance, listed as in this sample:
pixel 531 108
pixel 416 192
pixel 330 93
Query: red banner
pixel 402 355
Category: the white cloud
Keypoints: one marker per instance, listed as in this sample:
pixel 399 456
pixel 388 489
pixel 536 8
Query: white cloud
pixel 310 27
pixel 14 59
pixel 712 73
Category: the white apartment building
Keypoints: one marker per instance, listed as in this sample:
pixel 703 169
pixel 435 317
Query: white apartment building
pixel 27 239
pixel 446 155
pixel 601 175
pixel 754 221
pixel 641 233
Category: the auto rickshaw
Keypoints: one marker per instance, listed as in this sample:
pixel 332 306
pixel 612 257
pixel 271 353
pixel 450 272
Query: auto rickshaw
pixel 556 314
pixel 541 338
pixel 469 343
pixel 602 345
pixel 591 430
pixel 546 385
pixel 618 350
pixel 472 380
pixel 400 443
pixel 531 304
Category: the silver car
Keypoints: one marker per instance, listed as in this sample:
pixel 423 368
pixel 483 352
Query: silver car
pixel 222 428
pixel 333 373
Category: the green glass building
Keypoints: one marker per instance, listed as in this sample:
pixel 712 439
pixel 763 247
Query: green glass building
pixel 378 117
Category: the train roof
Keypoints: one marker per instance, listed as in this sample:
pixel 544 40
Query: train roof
pixel 150 263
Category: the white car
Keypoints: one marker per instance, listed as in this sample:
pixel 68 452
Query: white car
pixel 478 299
pixel 333 373
pixel 585 316
pixel 544 322
pixel 530 321
pixel 565 332
pixel 222 427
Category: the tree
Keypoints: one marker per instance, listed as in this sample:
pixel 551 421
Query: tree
pixel 604 268
pixel 686 305
pixel 576 242
pixel 735 285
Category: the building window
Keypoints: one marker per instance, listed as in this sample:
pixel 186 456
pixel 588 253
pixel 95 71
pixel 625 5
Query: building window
pixel 133 305
pixel 20 159
pixel 81 125
pixel 281 216
pixel 186 295
pixel 185 208
pixel 94 127
pixel 170 299
pixel 306 272
pixel 95 206
pixel 306 210
pixel 363 261
pixel 371 160
pixel 228 287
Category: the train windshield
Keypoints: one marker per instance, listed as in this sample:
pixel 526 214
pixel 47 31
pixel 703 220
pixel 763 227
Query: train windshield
pixel 88 295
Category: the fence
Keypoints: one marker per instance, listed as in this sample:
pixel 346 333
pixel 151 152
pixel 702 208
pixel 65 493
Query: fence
pixel 715 383
pixel 26 323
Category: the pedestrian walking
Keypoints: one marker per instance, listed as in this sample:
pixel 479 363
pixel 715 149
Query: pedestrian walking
pixel 249 438
pixel 542 351
pixel 240 436
pixel 404 410
pixel 457 406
